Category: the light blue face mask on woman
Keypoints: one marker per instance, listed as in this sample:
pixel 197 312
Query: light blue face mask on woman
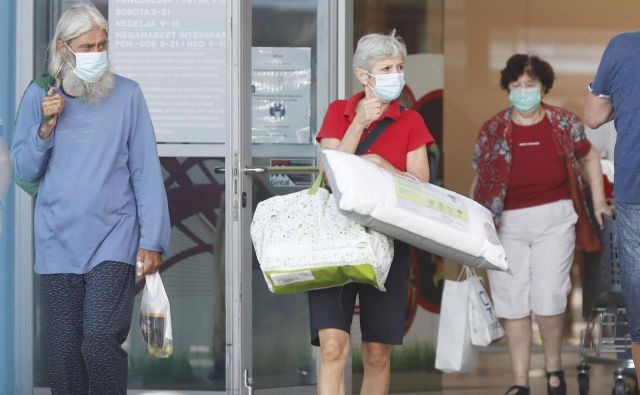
pixel 388 86
pixel 525 100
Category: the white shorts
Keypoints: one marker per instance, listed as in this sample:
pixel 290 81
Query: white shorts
pixel 540 243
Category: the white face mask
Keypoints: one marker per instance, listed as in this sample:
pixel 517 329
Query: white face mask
pixel 388 86
pixel 90 66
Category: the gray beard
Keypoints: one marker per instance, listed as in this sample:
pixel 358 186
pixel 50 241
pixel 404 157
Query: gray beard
pixel 93 92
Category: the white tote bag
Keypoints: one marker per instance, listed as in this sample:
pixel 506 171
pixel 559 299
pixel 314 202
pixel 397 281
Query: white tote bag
pixel 454 352
pixel 485 326
pixel 303 242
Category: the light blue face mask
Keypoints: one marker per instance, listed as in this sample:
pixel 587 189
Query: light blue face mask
pixel 525 100
pixel 90 66
pixel 388 86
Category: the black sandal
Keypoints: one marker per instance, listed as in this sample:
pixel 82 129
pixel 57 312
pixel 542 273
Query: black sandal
pixel 559 390
pixel 520 390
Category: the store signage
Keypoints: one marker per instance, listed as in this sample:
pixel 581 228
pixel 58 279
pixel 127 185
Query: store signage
pixel 281 95
pixel 175 49
pixel 292 179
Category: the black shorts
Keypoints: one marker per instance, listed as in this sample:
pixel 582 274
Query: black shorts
pixel 382 314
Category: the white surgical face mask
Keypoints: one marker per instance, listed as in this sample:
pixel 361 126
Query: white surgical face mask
pixel 90 66
pixel 388 86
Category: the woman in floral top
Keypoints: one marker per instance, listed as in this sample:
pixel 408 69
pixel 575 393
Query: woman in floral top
pixel 528 159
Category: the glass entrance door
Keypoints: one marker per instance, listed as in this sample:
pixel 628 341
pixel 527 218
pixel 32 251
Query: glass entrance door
pixel 284 97
pixel 285 81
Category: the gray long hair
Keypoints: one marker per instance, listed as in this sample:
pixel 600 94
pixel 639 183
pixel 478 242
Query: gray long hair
pixel 76 21
pixel 375 47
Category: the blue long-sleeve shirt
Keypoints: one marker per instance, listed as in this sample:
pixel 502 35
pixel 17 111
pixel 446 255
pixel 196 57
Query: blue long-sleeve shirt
pixel 101 194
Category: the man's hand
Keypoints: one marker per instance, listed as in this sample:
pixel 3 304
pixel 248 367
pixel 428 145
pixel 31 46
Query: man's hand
pixel 52 106
pixel 148 262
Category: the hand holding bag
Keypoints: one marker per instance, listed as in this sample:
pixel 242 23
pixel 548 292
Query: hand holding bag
pixel 484 324
pixel 454 352
pixel 155 318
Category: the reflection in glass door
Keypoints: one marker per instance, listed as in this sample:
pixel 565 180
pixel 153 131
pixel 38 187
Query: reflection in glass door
pixel 193 276
pixel 289 78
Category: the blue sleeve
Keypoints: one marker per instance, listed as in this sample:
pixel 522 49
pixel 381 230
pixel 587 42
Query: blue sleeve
pixel 600 85
pixel 146 180
pixel 29 153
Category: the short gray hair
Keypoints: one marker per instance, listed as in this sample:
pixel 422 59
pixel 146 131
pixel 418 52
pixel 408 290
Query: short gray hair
pixel 375 47
pixel 76 21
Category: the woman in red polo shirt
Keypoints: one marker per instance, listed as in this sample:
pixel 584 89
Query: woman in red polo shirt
pixel 378 63
pixel 527 158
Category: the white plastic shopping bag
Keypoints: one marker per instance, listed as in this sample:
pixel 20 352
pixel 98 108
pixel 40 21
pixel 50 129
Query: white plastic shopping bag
pixel 155 318
pixel 485 326
pixel 454 352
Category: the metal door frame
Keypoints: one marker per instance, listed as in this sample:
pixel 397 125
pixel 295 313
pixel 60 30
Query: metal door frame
pixel 238 189
pixel 23 274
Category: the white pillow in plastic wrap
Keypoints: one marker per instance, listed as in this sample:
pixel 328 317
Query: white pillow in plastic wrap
pixel 423 215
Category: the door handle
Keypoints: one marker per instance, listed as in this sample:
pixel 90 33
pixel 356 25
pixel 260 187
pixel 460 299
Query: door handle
pixel 222 170
pixel 237 202
pixel 271 169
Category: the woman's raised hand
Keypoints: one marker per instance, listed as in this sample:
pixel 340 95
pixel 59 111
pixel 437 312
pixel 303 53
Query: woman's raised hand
pixel 369 108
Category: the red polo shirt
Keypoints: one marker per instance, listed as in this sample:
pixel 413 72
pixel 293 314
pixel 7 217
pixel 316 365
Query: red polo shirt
pixel 407 132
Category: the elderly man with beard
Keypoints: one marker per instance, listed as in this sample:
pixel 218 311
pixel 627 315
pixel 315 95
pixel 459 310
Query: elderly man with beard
pixel 101 205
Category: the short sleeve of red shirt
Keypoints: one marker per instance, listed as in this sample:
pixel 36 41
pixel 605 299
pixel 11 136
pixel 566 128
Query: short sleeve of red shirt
pixel 419 134
pixel 333 121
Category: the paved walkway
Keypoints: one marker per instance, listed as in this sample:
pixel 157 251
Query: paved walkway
pixel 493 376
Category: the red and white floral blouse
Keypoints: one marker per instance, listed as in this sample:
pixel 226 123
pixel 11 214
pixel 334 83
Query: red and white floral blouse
pixel 492 154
